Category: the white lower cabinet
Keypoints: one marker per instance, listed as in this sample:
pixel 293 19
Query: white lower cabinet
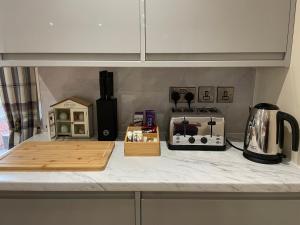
pixel 220 212
pixel 92 211
pixel 125 208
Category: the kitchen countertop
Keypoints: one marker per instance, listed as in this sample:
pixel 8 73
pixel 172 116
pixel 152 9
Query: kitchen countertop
pixel 183 171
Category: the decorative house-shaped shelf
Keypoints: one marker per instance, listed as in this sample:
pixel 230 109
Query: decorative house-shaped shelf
pixel 71 117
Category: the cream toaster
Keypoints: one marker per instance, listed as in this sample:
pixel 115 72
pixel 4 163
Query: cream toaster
pixel 197 129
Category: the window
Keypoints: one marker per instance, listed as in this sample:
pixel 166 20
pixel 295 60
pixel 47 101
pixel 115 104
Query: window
pixel 4 131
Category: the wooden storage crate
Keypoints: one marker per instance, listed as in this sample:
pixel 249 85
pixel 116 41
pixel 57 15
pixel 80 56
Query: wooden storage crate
pixel 142 148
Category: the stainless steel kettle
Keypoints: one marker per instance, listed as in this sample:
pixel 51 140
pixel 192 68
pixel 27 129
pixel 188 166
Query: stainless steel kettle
pixel 264 136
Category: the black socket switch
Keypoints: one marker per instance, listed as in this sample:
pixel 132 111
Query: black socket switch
pixel 189 97
pixel 175 96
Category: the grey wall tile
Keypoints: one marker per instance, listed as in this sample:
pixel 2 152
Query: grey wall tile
pixel 148 88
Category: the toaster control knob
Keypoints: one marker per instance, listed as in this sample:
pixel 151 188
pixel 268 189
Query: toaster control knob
pixel 192 140
pixel 203 140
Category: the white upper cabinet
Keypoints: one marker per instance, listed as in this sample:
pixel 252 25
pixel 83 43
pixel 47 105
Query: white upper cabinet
pixel 146 33
pixel 70 26
pixel 217 26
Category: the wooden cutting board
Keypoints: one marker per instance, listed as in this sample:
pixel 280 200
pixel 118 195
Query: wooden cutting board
pixel 58 155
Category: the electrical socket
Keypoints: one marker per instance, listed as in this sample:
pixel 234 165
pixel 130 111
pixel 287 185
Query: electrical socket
pixel 225 94
pixel 206 94
pixel 182 91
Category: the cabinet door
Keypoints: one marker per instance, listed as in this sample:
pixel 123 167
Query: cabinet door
pixel 79 118
pixel 51 124
pixel 67 211
pixel 217 26
pixel 70 26
pixel 225 212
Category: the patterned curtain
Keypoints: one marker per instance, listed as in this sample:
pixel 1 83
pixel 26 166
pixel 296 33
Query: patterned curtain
pixel 18 93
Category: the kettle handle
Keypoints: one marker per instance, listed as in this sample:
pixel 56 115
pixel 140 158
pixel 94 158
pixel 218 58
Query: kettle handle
pixel 281 117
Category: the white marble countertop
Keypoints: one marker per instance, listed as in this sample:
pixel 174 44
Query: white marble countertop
pixel 184 171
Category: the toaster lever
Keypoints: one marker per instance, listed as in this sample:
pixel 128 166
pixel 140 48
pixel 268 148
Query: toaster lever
pixel 185 123
pixel 211 123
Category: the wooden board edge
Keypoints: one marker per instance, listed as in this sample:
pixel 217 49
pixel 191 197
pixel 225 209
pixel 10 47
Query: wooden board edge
pixel 49 169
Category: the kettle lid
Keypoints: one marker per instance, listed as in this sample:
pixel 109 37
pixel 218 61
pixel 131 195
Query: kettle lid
pixel 266 106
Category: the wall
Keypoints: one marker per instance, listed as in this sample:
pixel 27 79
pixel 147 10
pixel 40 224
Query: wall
pixel 148 88
pixel 281 85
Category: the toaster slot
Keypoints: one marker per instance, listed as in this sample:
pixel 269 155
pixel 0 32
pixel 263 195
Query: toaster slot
pixel 185 128
pixel 218 128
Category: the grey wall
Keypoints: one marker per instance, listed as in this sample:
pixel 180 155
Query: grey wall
pixel 148 88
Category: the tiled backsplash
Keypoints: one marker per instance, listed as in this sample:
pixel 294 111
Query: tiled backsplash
pixel 148 88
